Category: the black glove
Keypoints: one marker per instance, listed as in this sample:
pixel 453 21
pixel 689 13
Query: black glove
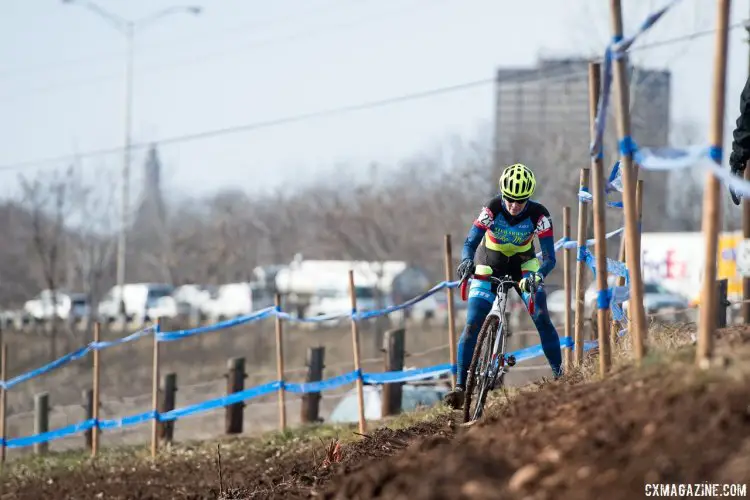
pixel 737 169
pixel 465 268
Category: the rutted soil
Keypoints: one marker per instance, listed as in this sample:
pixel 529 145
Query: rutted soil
pixel 660 424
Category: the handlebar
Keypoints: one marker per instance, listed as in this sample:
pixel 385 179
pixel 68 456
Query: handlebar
pixel 504 283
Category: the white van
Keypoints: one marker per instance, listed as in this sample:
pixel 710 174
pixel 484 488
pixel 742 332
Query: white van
pixel 235 299
pixel 143 301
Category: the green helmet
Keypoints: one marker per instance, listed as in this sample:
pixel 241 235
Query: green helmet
pixel 517 182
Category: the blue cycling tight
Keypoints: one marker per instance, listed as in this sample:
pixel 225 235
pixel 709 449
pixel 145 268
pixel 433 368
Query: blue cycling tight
pixel 478 308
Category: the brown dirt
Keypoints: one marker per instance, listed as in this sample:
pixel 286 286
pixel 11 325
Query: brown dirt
pixel 664 423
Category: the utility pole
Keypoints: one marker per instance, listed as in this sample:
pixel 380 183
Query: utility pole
pixel 128 27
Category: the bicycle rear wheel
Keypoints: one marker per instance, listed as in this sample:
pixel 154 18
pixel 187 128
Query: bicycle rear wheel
pixel 482 374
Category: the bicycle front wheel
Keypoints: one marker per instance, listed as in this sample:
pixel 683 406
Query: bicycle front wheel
pixel 481 376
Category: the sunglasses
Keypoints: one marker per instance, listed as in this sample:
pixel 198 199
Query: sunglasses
pixel 515 200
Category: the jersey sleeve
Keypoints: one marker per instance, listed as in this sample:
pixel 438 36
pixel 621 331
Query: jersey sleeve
pixel 544 224
pixel 488 213
pixel 482 223
pixel 546 237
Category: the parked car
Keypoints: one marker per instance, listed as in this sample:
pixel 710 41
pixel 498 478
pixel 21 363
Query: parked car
pixel 68 306
pixel 143 301
pixel 412 397
pixel 190 298
pixel 235 299
pixel 656 298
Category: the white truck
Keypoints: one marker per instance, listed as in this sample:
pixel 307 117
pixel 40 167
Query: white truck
pixel 321 287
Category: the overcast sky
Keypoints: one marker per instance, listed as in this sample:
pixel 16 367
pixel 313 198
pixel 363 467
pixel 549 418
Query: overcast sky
pixel 250 61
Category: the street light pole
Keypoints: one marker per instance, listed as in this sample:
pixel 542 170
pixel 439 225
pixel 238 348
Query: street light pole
pixel 128 28
pixel 125 195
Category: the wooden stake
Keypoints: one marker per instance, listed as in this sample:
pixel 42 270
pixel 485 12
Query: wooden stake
pixel 95 431
pixel 280 366
pixel 567 284
pixel 633 258
pixel 449 295
pixel 3 399
pixel 355 347
pixel 621 279
pixel 711 206
pixel 599 200
pixel 155 392
pixel 580 309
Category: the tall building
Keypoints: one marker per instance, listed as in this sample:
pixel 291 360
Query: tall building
pixel 542 117
pixel 151 210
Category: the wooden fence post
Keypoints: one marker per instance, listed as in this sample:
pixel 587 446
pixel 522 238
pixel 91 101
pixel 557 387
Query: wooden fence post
pixel 280 365
pixel 632 237
pixel 167 403
pixel 41 420
pixel 88 408
pixel 95 431
pixel 155 392
pixel 234 414
pixel 394 361
pixel 711 192
pixel 311 400
pixel 568 288
pixel 355 348
pixel 449 296
pixel 599 227
pixel 722 290
pixel 3 398
pixel 580 309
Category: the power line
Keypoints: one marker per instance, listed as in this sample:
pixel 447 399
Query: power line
pixel 684 38
pixel 224 53
pixel 530 77
pixel 41 67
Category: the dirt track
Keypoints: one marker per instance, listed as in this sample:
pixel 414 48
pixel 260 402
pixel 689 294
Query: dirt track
pixel 568 439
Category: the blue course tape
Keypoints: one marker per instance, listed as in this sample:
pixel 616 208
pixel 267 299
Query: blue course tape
pixel 715 153
pixel 406 376
pixel 69 430
pixel 627 146
pixel 133 336
pixel 603 298
pixel 220 402
pixel 323 385
pixel 48 367
pixel 136 419
pixel 253 392
pixel 180 334
pixel 408 303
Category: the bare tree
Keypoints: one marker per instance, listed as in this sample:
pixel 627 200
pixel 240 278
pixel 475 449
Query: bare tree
pixel 51 199
pixel 93 245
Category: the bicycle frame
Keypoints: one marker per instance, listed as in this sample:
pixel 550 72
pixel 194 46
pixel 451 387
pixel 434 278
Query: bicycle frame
pixel 498 310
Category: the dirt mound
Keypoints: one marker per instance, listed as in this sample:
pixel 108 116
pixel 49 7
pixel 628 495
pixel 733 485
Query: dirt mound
pixel 286 469
pixel 664 423
pixel 592 440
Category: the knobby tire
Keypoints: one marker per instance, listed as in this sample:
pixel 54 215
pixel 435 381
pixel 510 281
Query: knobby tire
pixel 486 336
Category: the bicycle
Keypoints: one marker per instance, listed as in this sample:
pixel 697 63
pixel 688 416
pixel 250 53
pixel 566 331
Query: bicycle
pixel 490 363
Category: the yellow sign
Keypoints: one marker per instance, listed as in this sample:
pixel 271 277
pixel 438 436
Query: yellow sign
pixel 727 262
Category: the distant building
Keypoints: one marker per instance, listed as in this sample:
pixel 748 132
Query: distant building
pixel 551 100
pixel 150 213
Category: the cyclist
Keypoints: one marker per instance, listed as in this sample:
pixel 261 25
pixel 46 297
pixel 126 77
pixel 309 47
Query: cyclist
pixel 508 223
